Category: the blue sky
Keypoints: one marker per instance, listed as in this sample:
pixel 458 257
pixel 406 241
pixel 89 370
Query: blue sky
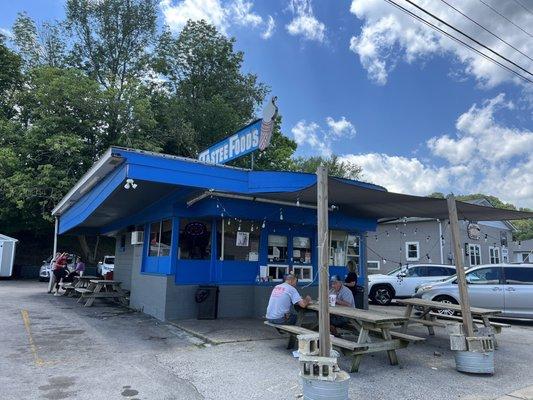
pixel 363 81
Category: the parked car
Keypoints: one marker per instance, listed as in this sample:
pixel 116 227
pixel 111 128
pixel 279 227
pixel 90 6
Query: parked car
pixel 105 266
pixel 44 271
pixel 402 282
pixel 506 287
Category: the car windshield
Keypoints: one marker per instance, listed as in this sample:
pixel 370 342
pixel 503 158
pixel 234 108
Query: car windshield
pixel 109 260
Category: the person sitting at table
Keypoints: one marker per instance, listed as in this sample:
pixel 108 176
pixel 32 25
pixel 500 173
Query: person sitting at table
pixel 344 297
pixel 282 297
pixel 80 268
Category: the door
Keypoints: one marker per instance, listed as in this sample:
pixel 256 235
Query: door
pixel 485 288
pixel 289 251
pixel 518 292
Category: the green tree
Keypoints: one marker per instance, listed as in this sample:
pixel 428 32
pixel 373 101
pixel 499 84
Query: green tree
pixel 10 79
pixel 336 167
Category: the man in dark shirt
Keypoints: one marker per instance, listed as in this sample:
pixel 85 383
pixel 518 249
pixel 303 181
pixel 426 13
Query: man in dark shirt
pixel 351 279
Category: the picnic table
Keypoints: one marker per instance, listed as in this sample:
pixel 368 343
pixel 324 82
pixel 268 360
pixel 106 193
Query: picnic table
pixel 101 288
pixel 363 323
pixel 78 282
pixel 430 318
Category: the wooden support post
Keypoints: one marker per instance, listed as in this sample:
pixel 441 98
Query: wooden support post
pixel 459 266
pixel 323 256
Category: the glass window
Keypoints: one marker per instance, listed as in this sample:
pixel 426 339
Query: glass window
pixel 372 265
pixel 412 252
pixel 304 272
pixel 195 239
pixel 241 240
pixel 417 271
pixel 160 238
pixel 277 248
pixel 352 253
pixel 519 276
pixel 484 276
pixel 474 251
pixel 494 255
pixel 301 250
pixel 437 271
pixel 450 271
pixel 276 272
pixel 337 252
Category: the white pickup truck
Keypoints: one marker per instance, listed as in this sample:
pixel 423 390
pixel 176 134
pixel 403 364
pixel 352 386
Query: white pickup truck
pixel 402 282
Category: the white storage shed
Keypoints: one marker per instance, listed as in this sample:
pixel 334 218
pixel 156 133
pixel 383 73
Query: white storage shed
pixel 7 255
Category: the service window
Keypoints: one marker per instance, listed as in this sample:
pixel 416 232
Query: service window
pixel 303 272
pixel 277 248
pixel 337 249
pixel 241 240
pixel 484 276
pixel 277 272
pixel 352 252
pixel 412 251
pixel 195 239
pixel 518 276
pixel 301 250
pixel 160 238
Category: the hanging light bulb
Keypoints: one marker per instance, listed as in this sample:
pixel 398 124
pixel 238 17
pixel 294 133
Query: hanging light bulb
pixel 239 227
pixel 387 233
pixel 416 230
pixel 396 226
pixel 252 228
pixel 280 214
pixel 218 205
pixel 376 237
pixel 384 261
pixel 427 238
pixel 486 236
pixel 298 202
pixel 229 221
pixel 264 223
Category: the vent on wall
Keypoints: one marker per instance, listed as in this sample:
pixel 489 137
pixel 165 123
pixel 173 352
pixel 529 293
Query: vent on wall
pixel 137 237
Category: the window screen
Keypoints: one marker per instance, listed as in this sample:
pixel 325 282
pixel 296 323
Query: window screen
pixel 195 239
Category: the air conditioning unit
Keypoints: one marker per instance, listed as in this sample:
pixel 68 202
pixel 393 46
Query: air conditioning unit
pixel 137 237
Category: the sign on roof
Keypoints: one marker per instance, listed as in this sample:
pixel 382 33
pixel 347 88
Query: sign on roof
pixel 254 136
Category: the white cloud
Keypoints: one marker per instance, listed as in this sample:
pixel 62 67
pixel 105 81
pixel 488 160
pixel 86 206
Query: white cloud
pixel 271 26
pixel 6 32
pixel 484 156
pixel 221 15
pixel 341 127
pixel 304 22
pixel 389 36
pixel 319 139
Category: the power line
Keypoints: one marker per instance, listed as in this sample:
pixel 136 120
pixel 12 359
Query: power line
pixel 507 19
pixel 504 17
pixel 486 30
pixel 523 6
pixel 435 27
pixel 468 36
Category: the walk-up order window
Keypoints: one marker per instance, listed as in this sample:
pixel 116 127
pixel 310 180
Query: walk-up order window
pixel 345 250
pixel 160 238
pixel 195 239
pixel 238 240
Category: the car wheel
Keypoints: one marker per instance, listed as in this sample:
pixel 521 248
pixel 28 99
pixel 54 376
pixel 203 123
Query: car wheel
pixel 382 295
pixel 447 300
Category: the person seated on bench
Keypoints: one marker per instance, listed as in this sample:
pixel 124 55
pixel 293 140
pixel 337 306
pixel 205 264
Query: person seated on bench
pixel 344 297
pixel 282 297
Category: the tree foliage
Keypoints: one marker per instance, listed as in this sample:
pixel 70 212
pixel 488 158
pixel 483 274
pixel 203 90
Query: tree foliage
pixel 336 167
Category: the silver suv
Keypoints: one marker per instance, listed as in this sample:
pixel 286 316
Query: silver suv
pixel 506 287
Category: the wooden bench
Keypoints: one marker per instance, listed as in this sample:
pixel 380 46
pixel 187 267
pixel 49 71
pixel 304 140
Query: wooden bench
pixel 357 349
pixel 497 326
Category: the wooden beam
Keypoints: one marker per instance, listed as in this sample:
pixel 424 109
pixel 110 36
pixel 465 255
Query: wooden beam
pixel 459 266
pixel 323 261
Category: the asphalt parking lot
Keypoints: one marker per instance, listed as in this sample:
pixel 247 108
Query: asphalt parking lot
pixel 52 348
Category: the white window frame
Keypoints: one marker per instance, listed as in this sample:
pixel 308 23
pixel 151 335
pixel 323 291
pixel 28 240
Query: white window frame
pixel 303 267
pixel 472 253
pixel 407 258
pixel 373 262
pixel 279 277
pixel 495 255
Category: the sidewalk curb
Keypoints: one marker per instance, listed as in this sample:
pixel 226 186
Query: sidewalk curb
pixel 520 394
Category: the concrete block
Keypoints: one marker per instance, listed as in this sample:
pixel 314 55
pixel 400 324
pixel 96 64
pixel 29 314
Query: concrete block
pixel 321 368
pixel 308 344
pixel 481 344
pixel 454 329
pixel 458 342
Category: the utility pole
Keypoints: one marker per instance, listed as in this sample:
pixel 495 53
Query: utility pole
pixel 459 266
pixel 323 256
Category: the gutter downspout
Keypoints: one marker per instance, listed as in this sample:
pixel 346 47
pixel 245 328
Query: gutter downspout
pixel 440 240
pixel 51 279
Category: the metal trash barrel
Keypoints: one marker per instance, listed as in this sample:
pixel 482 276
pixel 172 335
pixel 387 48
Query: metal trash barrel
pixel 474 362
pixel 315 389
pixel 359 297
pixel 207 299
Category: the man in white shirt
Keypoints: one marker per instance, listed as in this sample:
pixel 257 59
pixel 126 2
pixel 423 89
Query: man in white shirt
pixel 281 299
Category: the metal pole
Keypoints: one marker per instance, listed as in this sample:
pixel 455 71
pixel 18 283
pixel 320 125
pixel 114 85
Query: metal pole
pixel 441 245
pixel 322 226
pixel 51 278
pixel 461 279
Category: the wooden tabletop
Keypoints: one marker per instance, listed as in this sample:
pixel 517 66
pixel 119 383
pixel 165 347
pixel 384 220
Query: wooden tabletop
pixel 361 315
pixel 86 277
pixel 446 306
pixel 105 281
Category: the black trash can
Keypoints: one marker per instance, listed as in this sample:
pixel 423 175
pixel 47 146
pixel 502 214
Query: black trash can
pixel 207 299
pixel 360 297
